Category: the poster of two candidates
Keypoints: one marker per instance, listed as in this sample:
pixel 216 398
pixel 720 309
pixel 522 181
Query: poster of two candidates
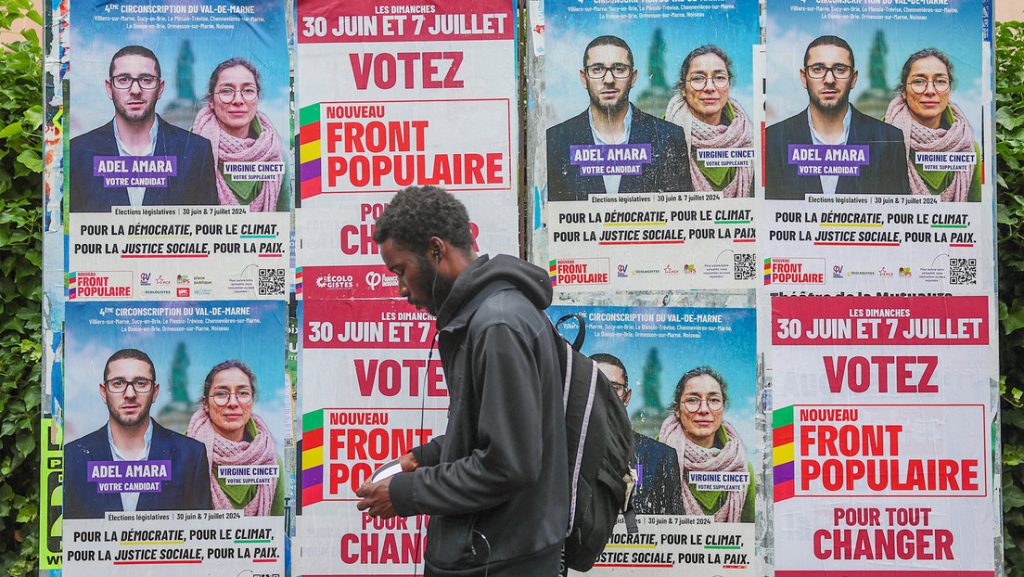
pixel 883 435
pixel 687 376
pixel 881 181
pixel 175 419
pixel 652 143
pixel 178 179
pixel 409 93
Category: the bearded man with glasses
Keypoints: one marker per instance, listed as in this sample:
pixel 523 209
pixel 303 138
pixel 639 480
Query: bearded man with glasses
pixel 138 158
pixel 831 147
pixel 613 147
pixel 132 463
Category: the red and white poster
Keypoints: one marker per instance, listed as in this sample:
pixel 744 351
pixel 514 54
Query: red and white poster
pixel 882 436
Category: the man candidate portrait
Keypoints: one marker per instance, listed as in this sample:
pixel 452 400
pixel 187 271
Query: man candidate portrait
pixel 129 389
pixel 138 158
pixel 861 144
pixel 608 75
pixel 658 489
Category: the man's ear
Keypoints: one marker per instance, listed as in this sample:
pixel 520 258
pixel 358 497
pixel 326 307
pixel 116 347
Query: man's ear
pixel 803 78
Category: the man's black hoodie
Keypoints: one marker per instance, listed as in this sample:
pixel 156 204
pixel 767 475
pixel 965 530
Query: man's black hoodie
pixel 496 484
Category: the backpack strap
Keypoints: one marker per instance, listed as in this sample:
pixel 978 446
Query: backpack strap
pixel 581 335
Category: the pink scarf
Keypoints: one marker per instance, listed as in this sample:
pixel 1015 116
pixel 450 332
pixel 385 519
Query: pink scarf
pixel 701 135
pixel 221 451
pixel 957 138
pixel 732 457
pixel 226 148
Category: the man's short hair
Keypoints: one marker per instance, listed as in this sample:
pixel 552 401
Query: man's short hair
pixel 418 213
pixel 134 50
pixel 608 40
pixel 129 354
pixel 829 40
pixel 607 359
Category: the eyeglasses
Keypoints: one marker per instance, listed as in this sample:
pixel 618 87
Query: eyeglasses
pixel 920 85
pixel 125 81
pixel 700 82
pixel 839 71
pixel 119 385
pixel 227 95
pixel 693 404
pixel 597 71
pixel 222 398
pixel 620 389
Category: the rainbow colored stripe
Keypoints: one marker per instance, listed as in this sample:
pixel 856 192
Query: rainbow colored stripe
pixel 767 271
pixel 553 272
pixel 782 453
pixel 298 282
pixel 309 151
pixel 72 286
pixel 312 457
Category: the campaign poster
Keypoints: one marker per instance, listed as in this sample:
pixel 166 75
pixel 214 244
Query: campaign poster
pixel 652 143
pixel 418 93
pixel 374 388
pixel 687 376
pixel 174 438
pixel 881 181
pixel 882 435
pixel 51 487
pixel 179 178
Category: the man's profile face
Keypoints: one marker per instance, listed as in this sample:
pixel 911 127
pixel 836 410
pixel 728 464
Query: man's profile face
pixel 129 408
pixel 418 279
pixel 134 104
pixel 617 377
pixel 828 94
pixel 608 92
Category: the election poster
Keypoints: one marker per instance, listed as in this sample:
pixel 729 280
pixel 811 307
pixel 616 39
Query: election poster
pixel 883 428
pixel 416 93
pixel 174 438
pixel 652 143
pixel 881 181
pixel 374 388
pixel 687 377
pixel 51 486
pixel 178 174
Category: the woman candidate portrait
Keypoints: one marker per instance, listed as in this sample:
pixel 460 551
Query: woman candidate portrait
pixel 711 119
pixel 239 132
pixel 932 123
pixel 705 442
pixel 235 436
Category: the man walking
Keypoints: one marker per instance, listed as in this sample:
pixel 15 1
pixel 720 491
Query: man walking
pixel 496 483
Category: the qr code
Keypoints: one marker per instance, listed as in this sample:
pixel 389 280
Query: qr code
pixel 271 281
pixel 744 267
pixel 963 271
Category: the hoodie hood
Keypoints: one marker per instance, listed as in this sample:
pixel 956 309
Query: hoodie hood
pixel 485 276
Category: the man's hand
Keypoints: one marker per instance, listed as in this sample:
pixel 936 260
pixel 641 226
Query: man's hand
pixel 408 462
pixel 377 498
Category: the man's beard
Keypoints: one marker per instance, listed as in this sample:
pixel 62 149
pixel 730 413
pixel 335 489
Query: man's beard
pixel 613 107
pixel 435 286
pixel 140 116
pixel 839 105
pixel 140 417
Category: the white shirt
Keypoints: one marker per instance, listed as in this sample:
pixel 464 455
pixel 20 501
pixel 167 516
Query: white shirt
pixel 130 501
pixel 137 193
pixel 829 183
pixel 611 182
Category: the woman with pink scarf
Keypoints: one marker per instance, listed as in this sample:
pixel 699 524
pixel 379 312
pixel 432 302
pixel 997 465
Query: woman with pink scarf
pixel 239 132
pixel 711 119
pixel 932 124
pixel 707 443
pixel 235 437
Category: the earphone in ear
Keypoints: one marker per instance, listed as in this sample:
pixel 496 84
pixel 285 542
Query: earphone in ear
pixel 437 255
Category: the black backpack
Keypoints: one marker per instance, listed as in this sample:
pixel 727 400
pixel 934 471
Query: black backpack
pixel 599 438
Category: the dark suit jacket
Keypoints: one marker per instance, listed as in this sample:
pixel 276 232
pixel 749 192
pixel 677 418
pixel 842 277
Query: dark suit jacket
pixel 669 169
pixel 195 183
pixel 886 173
pixel 188 489
pixel 658 490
